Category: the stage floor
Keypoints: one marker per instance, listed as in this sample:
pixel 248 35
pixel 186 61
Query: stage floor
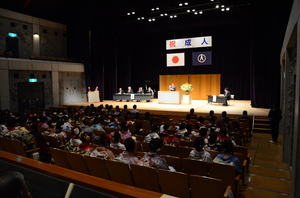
pixel 201 106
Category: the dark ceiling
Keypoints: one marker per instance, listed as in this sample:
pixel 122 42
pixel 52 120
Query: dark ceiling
pixel 64 11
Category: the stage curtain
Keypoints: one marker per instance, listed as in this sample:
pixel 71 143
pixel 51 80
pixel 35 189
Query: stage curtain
pixel 203 84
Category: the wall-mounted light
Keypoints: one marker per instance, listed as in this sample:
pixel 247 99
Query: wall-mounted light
pixel 36 34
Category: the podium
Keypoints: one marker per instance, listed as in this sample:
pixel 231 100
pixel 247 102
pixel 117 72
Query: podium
pixel 93 96
pixel 186 99
pixel 169 97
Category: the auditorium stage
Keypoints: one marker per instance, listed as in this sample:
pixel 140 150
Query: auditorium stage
pixel 201 106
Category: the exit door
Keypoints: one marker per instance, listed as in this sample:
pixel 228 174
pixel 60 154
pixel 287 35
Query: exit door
pixel 13 45
pixel 31 96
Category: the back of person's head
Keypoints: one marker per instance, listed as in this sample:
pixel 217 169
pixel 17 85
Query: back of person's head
pixel 147 115
pixel 96 121
pixel 171 130
pixel 84 137
pixel 102 139
pixel 125 106
pixel 138 126
pixel 124 126
pixel 189 127
pixel 134 106
pixel 192 111
pixel 182 125
pixel 166 126
pixel 203 132
pixel 199 144
pixel 129 145
pixel 188 116
pixel 245 113
pixel 212 138
pixel 224 113
pixel 211 112
pixel 201 119
pixel 155 144
pixel 117 136
pixel 223 131
pixel 227 146
pixel 13 185
pixel 154 128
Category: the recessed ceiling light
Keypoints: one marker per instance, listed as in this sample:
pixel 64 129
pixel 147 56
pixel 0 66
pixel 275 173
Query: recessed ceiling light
pixel 132 12
pixel 186 3
pixel 180 4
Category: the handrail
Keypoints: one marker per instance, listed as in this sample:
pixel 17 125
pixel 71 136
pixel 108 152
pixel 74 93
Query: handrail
pixel 88 181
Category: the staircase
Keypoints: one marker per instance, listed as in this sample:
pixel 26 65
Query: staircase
pixel 261 124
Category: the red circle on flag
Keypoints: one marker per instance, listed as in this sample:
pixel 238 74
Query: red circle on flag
pixel 175 59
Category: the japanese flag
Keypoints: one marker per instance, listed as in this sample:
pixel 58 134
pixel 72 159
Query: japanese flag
pixel 175 59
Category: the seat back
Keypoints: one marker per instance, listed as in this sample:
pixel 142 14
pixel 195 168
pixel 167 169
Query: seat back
pixel 173 161
pixel 195 167
pixel 77 162
pixel 206 186
pixel 213 154
pixel 145 177
pixel 60 157
pixel 51 141
pixel 119 172
pixel 18 148
pixel 184 151
pixel 6 144
pixel 169 150
pixel 145 146
pixel 174 183
pixel 139 146
pixel 97 167
pixel 224 172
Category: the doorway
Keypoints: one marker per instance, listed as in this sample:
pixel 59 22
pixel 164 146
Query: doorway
pixel 31 96
pixel 13 45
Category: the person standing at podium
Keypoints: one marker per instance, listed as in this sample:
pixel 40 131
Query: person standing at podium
pixel 172 87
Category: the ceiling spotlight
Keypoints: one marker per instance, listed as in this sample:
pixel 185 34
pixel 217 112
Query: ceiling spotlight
pixel 222 9
pixel 222 6
pixel 132 12
pixel 227 9
pixel 180 4
pixel 195 13
pixel 171 16
pixel 217 6
pixel 200 12
pixel 152 9
pixel 161 14
pixel 157 8
pixel 166 14
pixel 211 0
pixel 186 3
pixel 128 13
pixel 188 11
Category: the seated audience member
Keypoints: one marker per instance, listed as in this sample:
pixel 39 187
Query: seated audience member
pixel 147 117
pixel 153 134
pixel 152 158
pixel 134 110
pixel 164 128
pixel 224 115
pixel 101 150
pixel 116 141
pixel 13 185
pixel 198 152
pixel 125 133
pixel 227 156
pixel 171 139
pixel 138 129
pixel 182 129
pixel 212 143
pixel 224 136
pixel 127 156
pixel 97 125
pixel 192 113
pixel 246 117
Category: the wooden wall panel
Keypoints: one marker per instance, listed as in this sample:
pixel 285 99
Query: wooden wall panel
pixel 203 84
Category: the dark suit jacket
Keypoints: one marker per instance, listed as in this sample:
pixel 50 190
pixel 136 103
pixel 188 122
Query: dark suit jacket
pixel 227 95
pixel 122 92
pixel 130 91
pixel 140 91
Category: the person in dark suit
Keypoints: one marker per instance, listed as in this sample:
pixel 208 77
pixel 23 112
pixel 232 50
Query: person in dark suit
pixel 129 91
pixel 120 92
pixel 140 91
pixel 227 96
pixel 274 118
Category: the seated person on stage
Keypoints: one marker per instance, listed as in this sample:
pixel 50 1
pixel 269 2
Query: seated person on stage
pixel 227 96
pixel 129 91
pixel 172 87
pixel 120 91
pixel 140 91
pixel 151 92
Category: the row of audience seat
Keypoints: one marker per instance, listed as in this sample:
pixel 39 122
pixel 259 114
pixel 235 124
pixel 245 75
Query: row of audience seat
pixel 180 184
